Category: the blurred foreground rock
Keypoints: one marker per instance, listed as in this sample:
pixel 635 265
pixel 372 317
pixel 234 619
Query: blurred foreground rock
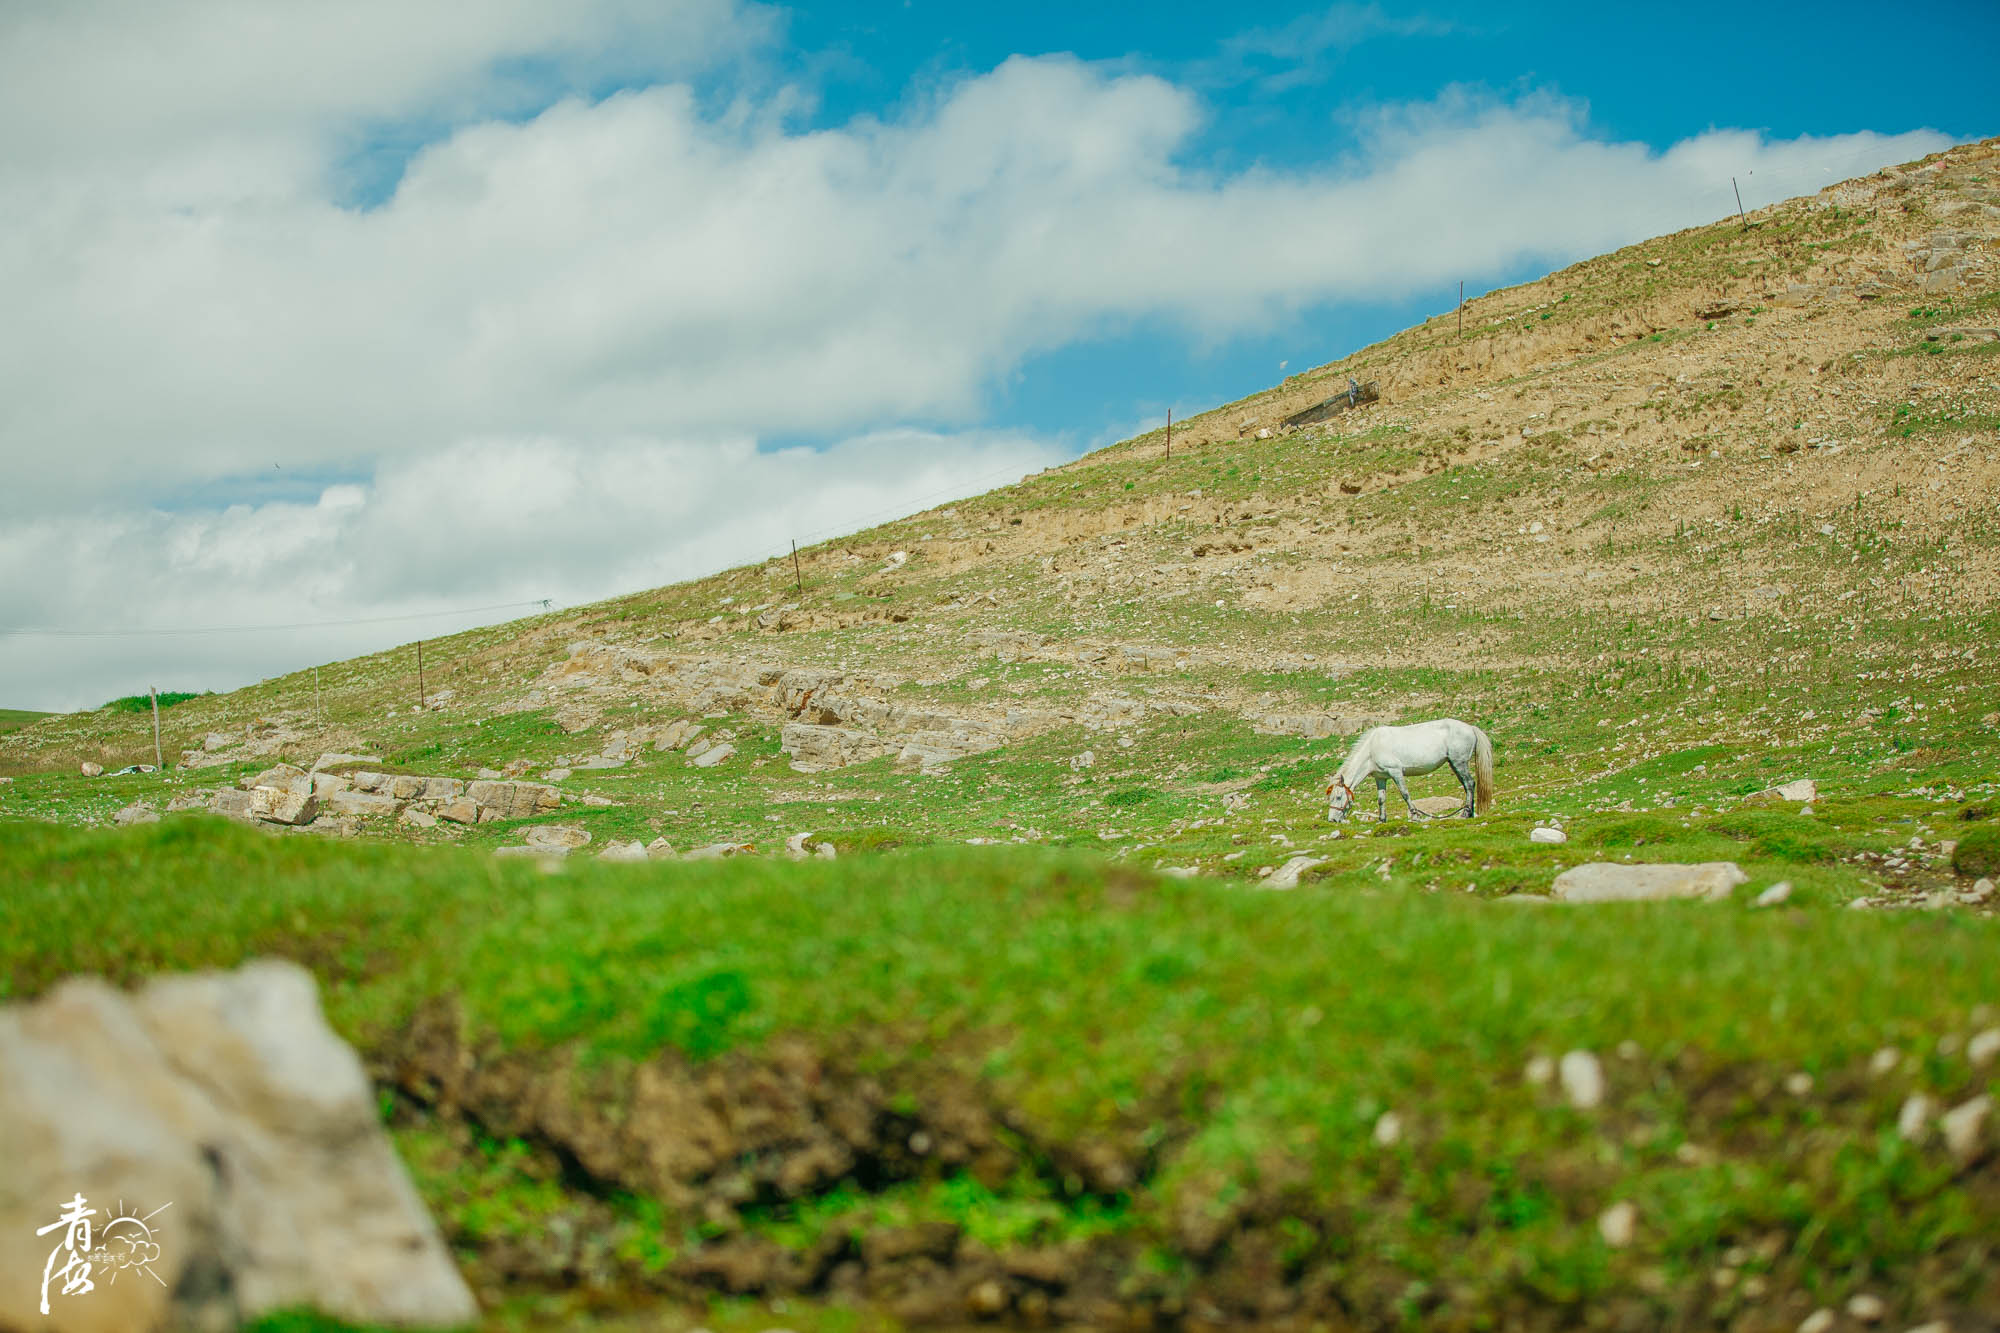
pixel 222 1105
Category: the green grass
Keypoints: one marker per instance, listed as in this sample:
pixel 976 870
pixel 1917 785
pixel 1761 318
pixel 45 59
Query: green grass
pixel 1258 1036
pixel 13 719
pixel 143 703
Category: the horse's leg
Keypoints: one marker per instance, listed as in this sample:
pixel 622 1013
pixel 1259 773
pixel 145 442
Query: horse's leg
pixel 1381 798
pixel 1396 774
pixel 1464 772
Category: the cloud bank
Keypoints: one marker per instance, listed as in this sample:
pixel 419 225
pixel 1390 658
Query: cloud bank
pixel 544 358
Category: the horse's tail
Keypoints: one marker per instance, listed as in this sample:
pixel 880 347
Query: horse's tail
pixel 1482 772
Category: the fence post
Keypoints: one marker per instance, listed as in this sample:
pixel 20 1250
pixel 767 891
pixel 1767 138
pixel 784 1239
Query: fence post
pixel 1739 203
pixel 799 579
pixel 159 760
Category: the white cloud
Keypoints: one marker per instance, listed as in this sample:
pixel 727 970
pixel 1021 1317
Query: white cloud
pixel 479 523
pixel 190 301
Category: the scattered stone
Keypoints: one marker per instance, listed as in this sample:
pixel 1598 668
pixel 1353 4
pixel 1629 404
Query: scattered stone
pixel 213 741
pixel 1544 834
pixel 1612 882
pixel 418 819
pixel 91 769
pixel 551 837
pixel 623 851
pixel 326 784
pixel 1799 1084
pixel 1388 1129
pixel 556 774
pixel 227 1096
pixel 1618 1224
pixel 1913 1122
pixel 326 761
pixel 462 811
pixel 1582 1080
pixel 659 849
pixel 1884 1061
pixel 1981 890
pixel 1540 1071
pixel 231 804
pixel 514 768
pixel 1776 894
pixel 136 813
pixel 1965 1128
pixel 711 757
pixel 1083 761
pixel 1287 875
pixel 1868 1309
pixel 1821 1320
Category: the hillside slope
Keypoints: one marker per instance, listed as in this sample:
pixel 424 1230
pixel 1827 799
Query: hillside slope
pixel 1729 491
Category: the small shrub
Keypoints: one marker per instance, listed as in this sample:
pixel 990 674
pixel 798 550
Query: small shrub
pixel 140 703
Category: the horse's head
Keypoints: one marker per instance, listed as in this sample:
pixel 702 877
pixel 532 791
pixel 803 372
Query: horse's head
pixel 1339 800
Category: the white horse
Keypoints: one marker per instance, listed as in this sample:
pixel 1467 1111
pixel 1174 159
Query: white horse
pixel 1387 753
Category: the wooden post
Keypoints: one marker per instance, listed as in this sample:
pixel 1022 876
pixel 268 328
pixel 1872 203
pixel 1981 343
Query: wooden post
pixel 1739 203
pixel 798 577
pixel 420 673
pixel 159 760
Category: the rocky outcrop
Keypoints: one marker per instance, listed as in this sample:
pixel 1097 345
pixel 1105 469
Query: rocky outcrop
pixel 1613 882
pixel 237 1134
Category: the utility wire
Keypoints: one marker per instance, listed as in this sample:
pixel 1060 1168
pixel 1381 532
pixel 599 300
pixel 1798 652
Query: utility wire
pixel 262 629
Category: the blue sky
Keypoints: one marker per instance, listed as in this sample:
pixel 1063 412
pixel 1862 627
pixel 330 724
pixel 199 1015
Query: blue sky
pixel 347 309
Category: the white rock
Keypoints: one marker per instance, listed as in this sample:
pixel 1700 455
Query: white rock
pixel 1913 1122
pixel 1388 1129
pixel 1799 1084
pixel 1983 1046
pixel 224 1100
pixel 1084 760
pixel 659 849
pixel 1965 1127
pixel 825 851
pixel 1547 835
pixel 1618 1224
pixel 90 769
pixel 1884 1061
pixel 136 813
pixel 715 851
pixel 1287 875
pixel 1981 890
pixel 1777 893
pixel 1868 1309
pixel 1612 881
pixel 274 806
pixel 1541 1069
pixel 1582 1080
pixel 623 851
pixel 1821 1320
pixel 418 819
pixel 556 774
pixel 546 837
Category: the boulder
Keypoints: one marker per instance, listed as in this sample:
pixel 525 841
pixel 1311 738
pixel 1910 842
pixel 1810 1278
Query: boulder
pixel 274 805
pixel 1614 882
pixel 442 789
pixel 815 748
pixel 513 800
pixel 623 851
pixel 1798 792
pixel 1287 875
pixel 715 851
pixel 464 810
pixel 90 769
pixel 1548 835
pixel 549 837
pixel 231 804
pixel 326 784
pixel 136 813
pixel 241 1137
pixel 417 818
pixel 709 758
pixel 282 777
pixel 327 761
pixel 361 803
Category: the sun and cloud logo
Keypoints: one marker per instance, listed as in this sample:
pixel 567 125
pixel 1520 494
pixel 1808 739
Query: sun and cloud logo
pixel 126 1243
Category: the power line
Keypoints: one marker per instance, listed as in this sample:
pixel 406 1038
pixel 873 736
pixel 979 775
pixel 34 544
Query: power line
pixel 542 602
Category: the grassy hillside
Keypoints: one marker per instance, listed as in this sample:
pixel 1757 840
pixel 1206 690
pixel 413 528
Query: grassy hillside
pixel 12 719
pixel 1674 525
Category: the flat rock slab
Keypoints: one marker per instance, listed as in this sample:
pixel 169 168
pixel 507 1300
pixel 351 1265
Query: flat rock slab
pixel 1616 882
